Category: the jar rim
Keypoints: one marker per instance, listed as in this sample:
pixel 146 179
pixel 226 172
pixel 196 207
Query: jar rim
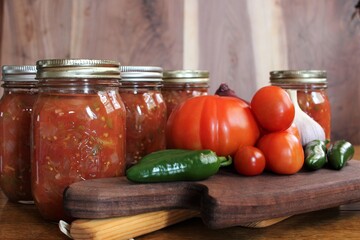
pixel 298 76
pixel 185 73
pixel 172 81
pixel 15 73
pixel 141 73
pixel 77 68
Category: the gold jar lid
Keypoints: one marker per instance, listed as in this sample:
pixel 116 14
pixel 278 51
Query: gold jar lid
pixel 77 68
pixel 298 76
pixel 186 76
pixel 18 73
pixel 141 73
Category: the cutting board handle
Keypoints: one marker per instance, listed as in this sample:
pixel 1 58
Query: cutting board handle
pixel 137 225
pixel 223 200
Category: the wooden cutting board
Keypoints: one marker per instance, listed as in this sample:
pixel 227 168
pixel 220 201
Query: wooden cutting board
pixel 224 200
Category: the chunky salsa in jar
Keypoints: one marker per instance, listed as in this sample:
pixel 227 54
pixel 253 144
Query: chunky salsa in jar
pixel 316 104
pixel 312 97
pixel 20 92
pixel 146 111
pixel 78 129
pixel 180 85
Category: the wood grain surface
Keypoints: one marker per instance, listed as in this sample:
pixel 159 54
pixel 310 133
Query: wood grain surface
pixel 23 222
pixel 224 200
pixel 18 222
pixel 238 41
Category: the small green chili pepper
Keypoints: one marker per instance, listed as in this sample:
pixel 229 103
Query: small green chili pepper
pixel 339 153
pixel 177 165
pixel 315 154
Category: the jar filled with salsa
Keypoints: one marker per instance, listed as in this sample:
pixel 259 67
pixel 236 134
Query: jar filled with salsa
pixel 78 128
pixel 180 85
pixel 16 105
pixel 145 111
pixel 312 96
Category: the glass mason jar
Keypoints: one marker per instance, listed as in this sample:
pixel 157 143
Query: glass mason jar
pixel 78 128
pixel 145 111
pixel 16 105
pixel 312 96
pixel 180 85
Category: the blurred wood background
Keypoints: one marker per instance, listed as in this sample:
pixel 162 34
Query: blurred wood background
pixel 238 41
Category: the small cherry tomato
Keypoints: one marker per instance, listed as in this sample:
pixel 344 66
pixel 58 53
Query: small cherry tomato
pixel 249 161
pixel 283 152
pixel 273 108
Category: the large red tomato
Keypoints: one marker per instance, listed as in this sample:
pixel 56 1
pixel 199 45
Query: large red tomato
pixel 221 124
pixel 273 108
pixel 283 152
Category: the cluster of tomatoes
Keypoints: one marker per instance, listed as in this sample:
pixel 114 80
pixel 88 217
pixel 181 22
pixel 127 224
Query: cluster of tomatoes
pixel 258 135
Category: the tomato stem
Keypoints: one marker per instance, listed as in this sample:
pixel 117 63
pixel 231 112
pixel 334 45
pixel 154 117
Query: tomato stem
pixel 225 161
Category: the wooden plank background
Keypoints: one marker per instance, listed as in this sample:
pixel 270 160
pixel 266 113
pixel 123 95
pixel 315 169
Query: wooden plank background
pixel 238 41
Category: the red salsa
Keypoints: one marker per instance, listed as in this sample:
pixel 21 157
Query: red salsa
pixel 145 112
pixel 75 138
pixel 15 120
pixel 146 121
pixel 316 104
pixel 180 85
pixel 78 135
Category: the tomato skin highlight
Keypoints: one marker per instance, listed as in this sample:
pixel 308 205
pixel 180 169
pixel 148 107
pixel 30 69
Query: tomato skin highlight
pixel 273 108
pixel 221 124
pixel 283 152
pixel 249 161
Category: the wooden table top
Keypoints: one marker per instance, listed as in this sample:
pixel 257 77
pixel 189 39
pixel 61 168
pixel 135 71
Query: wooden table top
pixel 19 221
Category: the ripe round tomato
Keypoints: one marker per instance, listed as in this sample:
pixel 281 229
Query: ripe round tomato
pixel 273 108
pixel 294 130
pixel 221 124
pixel 249 161
pixel 283 152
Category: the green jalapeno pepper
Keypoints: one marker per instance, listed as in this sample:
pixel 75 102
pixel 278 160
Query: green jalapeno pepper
pixel 315 154
pixel 177 165
pixel 339 153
